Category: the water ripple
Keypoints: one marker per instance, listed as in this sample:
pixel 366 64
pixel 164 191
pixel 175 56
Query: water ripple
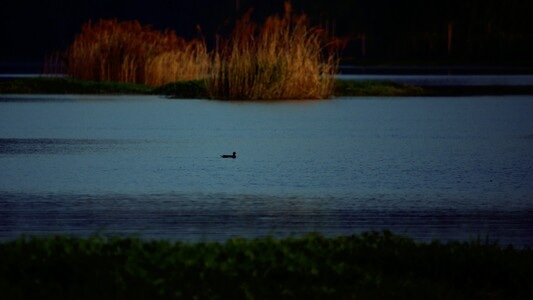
pixel 216 217
pixel 59 146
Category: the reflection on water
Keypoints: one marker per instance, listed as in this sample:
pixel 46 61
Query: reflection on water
pixel 446 168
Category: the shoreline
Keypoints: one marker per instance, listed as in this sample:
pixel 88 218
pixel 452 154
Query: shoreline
pixel 197 90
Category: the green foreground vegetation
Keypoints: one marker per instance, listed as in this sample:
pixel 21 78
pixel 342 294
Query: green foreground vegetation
pixel 373 265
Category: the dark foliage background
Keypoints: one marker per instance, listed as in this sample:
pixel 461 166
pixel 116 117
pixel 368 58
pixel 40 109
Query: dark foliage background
pixel 409 31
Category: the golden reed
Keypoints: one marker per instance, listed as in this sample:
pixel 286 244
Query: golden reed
pixel 110 50
pixel 283 59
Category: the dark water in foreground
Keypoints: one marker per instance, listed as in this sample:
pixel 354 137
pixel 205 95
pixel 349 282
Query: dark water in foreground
pixel 449 168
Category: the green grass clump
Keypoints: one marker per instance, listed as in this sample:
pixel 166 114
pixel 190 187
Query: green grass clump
pixel 127 51
pixel 65 85
pixel 367 266
pixel 184 89
pixel 375 88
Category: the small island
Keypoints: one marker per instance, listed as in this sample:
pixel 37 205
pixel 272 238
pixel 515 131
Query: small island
pixel 197 89
pixel 284 58
pixel 194 89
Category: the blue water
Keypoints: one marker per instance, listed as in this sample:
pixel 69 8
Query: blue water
pixel 456 168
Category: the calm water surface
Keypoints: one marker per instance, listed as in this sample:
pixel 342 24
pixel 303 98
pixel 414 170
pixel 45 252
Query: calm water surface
pixel 449 168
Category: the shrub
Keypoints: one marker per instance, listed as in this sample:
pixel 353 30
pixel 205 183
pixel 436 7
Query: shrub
pixel 283 59
pixel 127 51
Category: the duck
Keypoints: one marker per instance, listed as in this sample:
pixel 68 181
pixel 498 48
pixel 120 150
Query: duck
pixel 234 155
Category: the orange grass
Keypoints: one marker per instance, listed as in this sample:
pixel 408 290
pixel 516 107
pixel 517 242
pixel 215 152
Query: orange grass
pixel 283 59
pixel 191 62
pixel 110 50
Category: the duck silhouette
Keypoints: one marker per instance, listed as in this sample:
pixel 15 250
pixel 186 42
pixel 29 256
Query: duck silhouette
pixel 234 155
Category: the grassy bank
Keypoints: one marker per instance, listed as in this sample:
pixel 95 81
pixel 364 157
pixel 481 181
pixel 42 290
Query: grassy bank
pixel 368 266
pixel 376 88
pixel 197 89
pixel 63 85
pixel 185 89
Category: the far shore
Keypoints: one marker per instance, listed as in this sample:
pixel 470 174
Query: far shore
pixel 197 89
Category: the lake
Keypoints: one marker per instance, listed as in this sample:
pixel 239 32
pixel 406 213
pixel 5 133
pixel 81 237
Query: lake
pixel 456 168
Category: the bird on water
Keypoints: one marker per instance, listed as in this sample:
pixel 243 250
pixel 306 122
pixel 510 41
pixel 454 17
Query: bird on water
pixel 234 155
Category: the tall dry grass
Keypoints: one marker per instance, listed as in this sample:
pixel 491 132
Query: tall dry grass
pixel 283 59
pixel 110 50
pixel 189 62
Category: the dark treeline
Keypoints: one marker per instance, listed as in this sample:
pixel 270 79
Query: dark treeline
pixel 436 30
pixel 462 31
